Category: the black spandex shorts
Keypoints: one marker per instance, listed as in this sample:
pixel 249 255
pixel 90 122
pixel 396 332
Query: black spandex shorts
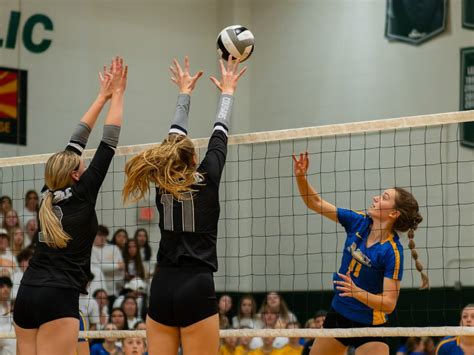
pixel 35 306
pixel 181 296
pixel 335 320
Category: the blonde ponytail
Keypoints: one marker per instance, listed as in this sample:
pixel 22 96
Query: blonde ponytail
pixel 52 230
pixel 58 170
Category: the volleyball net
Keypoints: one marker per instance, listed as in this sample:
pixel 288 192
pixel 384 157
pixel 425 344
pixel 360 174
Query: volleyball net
pixel 268 240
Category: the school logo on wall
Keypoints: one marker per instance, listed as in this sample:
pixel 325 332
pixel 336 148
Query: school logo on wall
pixel 415 21
pixel 13 106
pixel 468 14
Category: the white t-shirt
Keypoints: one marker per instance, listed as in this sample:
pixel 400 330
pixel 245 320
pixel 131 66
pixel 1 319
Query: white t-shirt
pixel 90 309
pixel 252 323
pixel 25 215
pixel 108 259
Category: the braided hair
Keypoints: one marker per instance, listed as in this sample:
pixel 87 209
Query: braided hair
pixel 408 221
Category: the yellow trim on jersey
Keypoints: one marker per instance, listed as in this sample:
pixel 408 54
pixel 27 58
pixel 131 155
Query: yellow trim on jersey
pixel 359 212
pixel 358 235
pixel 396 270
pixel 445 342
pixel 86 328
pixel 378 318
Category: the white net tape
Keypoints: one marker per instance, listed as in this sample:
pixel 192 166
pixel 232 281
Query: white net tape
pixel 295 333
pixel 298 133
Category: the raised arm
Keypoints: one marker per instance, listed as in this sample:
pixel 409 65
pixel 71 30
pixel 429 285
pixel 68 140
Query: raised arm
pixel 309 195
pixel 94 175
pixel 118 86
pixel 227 85
pixel 186 84
pixel 79 138
pixel 214 161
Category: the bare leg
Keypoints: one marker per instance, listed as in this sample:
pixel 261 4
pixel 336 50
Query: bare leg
pixel 161 339
pixel 25 340
pixel 373 348
pixel 328 346
pixel 201 338
pixel 58 337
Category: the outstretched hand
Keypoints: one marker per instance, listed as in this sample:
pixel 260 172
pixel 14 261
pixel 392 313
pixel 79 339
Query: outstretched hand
pixel 119 75
pixel 229 76
pixel 105 83
pixel 182 78
pixel 301 166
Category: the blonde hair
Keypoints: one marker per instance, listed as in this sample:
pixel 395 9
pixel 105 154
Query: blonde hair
pixel 170 166
pixel 57 176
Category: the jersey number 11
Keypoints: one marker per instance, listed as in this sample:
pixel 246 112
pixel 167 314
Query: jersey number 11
pixel 186 205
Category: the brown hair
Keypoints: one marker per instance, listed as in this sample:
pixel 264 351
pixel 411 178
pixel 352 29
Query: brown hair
pixel 137 259
pixel 4 223
pixel 253 312
pixel 408 221
pixel 57 173
pixel 283 311
pixel 170 166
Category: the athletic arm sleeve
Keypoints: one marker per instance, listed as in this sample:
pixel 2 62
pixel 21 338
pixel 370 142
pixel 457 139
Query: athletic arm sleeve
pixel 214 161
pixel 179 125
pixel 79 138
pixel 93 177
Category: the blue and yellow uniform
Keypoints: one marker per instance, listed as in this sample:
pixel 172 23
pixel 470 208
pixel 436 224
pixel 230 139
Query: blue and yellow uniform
pixel 449 346
pixel 368 266
pixel 83 327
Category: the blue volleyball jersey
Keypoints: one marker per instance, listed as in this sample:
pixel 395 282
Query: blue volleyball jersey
pixel 368 266
pixel 82 326
pixel 449 346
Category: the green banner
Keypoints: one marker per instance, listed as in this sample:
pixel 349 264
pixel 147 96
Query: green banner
pixel 468 14
pixel 415 21
pixel 467 94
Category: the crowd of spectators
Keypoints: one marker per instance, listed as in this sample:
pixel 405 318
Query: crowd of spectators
pixel 122 266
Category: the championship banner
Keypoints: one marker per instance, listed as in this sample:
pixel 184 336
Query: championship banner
pixel 13 106
pixel 468 14
pixel 467 94
pixel 415 21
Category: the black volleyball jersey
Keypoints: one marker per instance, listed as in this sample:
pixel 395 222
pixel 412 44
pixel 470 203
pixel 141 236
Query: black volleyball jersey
pixel 189 227
pixel 69 267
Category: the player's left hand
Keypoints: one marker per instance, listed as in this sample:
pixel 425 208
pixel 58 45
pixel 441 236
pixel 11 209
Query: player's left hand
pixel 182 78
pixel 347 287
pixel 105 81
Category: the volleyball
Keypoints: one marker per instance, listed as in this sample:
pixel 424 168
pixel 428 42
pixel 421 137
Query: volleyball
pixel 236 41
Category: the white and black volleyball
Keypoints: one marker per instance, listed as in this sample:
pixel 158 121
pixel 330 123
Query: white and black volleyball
pixel 236 41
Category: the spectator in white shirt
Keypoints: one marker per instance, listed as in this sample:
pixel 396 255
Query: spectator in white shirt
pixel 17 238
pixel 30 210
pixel 130 308
pixel 7 346
pixel 102 299
pixel 23 259
pixel 6 257
pixel 109 258
pixel 247 314
pixel 30 231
